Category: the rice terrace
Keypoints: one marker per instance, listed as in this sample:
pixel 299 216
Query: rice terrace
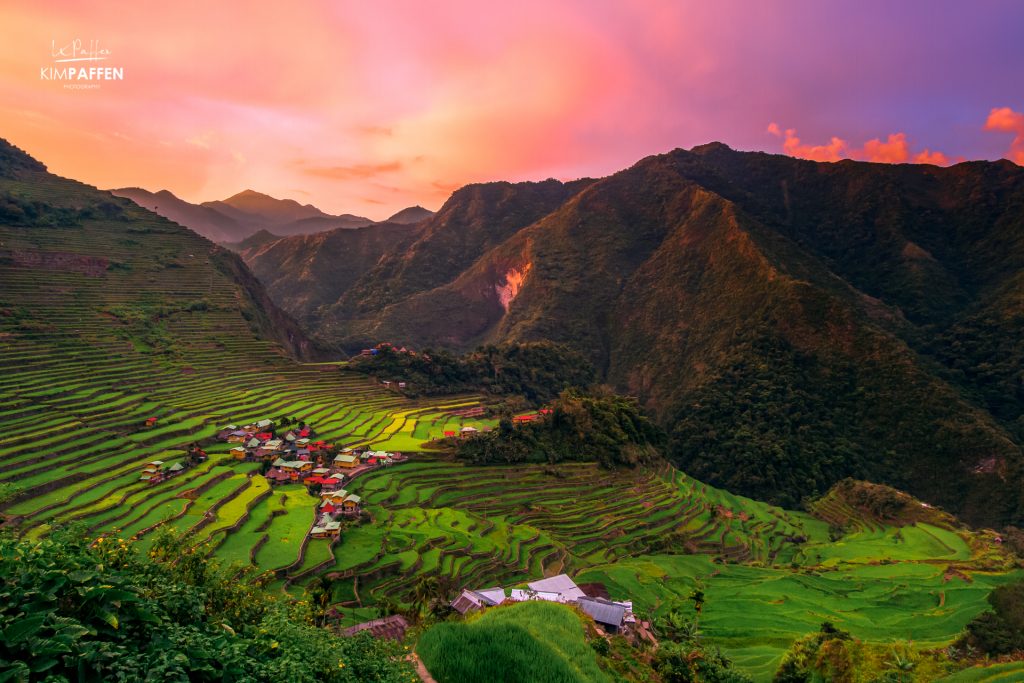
pixel 146 369
pixel 562 342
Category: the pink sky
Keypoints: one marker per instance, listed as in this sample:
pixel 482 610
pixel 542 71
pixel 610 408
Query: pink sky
pixel 370 107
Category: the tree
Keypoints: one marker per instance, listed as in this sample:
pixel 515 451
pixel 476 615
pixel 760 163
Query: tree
pixel 1001 631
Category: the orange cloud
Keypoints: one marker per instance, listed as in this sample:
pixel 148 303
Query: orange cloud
pixel 929 157
pixel 791 145
pixel 894 150
pixel 1006 120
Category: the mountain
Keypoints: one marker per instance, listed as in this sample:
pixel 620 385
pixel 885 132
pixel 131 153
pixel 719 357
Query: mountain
pixel 250 203
pixel 124 268
pixel 204 220
pixel 411 214
pixel 790 322
pixel 252 243
pixel 239 216
pixel 303 272
pixel 282 216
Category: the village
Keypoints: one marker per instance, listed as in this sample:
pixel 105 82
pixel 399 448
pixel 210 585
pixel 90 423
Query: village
pixel 293 456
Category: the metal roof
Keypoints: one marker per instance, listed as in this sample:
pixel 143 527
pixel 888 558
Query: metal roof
pixel 520 595
pixel 494 596
pixel 558 584
pixel 603 611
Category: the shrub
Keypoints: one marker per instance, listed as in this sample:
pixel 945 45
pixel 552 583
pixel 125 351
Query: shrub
pixel 91 610
pixel 1001 631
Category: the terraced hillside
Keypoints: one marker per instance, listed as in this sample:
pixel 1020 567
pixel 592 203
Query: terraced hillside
pixel 110 315
pixel 653 536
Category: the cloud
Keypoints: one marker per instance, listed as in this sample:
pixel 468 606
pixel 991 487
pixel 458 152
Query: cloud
pixel 895 149
pixel 791 145
pixel 927 156
pixel 353 172
pixel 1006 120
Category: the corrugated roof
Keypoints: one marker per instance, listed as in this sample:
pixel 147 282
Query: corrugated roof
pixel 521 595
pixel 603 611
pixel 558 584
pixel 494 596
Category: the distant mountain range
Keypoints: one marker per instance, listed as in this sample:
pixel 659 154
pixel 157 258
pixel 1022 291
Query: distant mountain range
pixel 790 322
pixel 238 217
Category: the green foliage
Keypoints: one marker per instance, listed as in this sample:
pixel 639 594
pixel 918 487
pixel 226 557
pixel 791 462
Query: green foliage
pixel 19 211
pixel 984 352
pixel 84 609
pixel 833 656
pixel 818 657
pixel 1001 631
pixel 536 370
pixel 682 656
pixel 599 426
pixel 783 425
pixel 691 662
pixel 531 642
pixel 8 491
pixel 15 210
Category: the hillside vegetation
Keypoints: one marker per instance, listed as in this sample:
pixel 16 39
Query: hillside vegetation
pixel 110 321
pixel 304 272
pixel 536 371
pixel 597 426
pixel 789 323
pixel 87 608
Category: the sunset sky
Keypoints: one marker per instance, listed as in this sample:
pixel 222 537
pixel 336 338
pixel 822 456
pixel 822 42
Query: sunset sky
pixel 368 107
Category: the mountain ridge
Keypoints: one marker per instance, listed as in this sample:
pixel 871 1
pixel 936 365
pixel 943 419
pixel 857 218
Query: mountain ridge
pixel 807 303
pixel 241 215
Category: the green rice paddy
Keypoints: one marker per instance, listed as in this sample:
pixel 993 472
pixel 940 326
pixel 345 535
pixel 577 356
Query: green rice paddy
pixel 90 355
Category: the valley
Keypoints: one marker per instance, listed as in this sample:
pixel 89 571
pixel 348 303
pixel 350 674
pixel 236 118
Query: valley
pixel 126 338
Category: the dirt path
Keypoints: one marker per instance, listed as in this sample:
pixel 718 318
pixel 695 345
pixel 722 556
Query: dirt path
pixel 421 670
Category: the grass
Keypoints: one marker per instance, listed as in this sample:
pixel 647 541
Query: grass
pixel 532 642
pixel 754 613
pixel 996 673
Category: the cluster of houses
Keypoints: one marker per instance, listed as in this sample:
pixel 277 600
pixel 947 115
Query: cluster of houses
pixel 157 471
pixel 333 506
pixel 299 457
pixel 326 472
pixel 610 615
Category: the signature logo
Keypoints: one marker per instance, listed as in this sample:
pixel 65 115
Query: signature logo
pixel 77 51
pixel 78 65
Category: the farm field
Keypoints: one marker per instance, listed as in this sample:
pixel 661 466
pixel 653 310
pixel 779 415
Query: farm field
pixel 110 322
pixel 114 334
pixel 770 576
